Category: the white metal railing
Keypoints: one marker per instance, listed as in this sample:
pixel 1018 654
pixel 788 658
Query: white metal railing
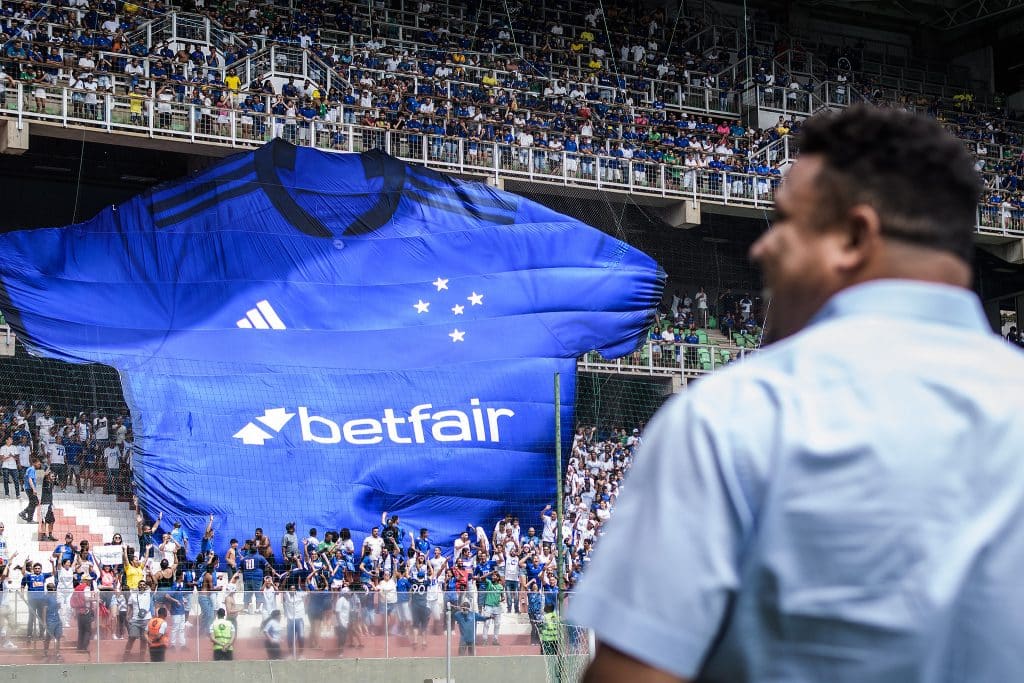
pixel 667 359
pixel 168 118
pixel 6 340
pixel 229 126
pixel 1000 220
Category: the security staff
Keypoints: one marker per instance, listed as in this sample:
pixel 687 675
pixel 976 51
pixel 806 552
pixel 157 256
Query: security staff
pixel 222 635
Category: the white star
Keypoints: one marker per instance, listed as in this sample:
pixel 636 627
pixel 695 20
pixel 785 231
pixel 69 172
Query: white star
pixel 421 306
pixel 457 309
pixel 457 336
pixel 475 299
pixel 440 283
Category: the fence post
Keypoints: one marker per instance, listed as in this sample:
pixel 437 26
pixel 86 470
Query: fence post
pixel 448 642
pixel 199 624
pixel 97 612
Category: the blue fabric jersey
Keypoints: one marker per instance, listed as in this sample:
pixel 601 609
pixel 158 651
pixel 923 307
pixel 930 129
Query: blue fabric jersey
pixel 295 311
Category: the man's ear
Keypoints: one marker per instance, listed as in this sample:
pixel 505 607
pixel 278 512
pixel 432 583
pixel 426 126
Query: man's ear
pixel 859 237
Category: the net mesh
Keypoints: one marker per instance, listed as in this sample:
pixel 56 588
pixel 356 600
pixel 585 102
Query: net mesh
pixel 87 404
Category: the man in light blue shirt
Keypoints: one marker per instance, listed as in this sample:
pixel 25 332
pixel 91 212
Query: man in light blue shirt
pixel 848 505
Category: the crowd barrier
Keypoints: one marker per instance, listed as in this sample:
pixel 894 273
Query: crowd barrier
pixel 169 119
pixel 94 629
pixel 670 359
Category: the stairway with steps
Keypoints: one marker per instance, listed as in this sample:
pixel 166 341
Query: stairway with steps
pixel 717 337
pixel 95 517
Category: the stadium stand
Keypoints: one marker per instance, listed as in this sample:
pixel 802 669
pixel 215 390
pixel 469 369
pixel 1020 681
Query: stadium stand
pixel 554 95
pixel 84 474
pixel 507 570
pixel 584 94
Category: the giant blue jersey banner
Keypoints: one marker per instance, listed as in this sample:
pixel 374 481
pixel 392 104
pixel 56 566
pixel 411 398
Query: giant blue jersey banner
pixel 313 337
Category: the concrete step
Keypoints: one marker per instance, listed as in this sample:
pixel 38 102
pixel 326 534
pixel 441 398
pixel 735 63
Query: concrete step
pixel 95 517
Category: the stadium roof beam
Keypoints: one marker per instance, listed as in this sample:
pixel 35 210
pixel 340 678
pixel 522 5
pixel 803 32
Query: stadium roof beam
pixel 947 16
pixel 974 11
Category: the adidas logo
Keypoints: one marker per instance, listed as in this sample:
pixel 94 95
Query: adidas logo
pixel 263 317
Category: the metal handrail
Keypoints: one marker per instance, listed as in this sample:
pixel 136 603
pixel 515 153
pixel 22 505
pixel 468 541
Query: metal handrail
pixel 231 128
pixel 660 358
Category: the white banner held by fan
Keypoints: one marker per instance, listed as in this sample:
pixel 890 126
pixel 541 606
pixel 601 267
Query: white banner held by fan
pixel 107 554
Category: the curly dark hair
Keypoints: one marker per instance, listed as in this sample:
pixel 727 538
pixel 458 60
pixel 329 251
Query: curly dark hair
pixel 919 178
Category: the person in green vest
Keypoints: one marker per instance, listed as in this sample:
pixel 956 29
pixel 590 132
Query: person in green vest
pixel 550 633
pixel 222 635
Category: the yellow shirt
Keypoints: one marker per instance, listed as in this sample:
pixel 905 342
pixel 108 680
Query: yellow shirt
pixel 135 103
pixel 233 82
pixel 132 576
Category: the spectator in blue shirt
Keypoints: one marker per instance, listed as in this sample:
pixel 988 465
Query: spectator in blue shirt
pixel 466 621
pixel 31 489
pixel 34 581
pixel 64 551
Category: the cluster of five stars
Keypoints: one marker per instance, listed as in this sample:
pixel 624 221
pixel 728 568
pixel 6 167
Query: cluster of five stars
pixel 474 299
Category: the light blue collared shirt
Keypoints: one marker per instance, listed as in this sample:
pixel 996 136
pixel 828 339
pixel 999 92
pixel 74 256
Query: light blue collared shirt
pixel 847 506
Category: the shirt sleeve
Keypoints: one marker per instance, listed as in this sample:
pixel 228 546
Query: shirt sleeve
pixel 685 501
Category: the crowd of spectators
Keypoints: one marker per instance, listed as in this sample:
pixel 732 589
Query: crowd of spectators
pixel 679 335
pixel 590 78
pixel 998 144
pixel 394 578
pixel 578 88
pixel 82 450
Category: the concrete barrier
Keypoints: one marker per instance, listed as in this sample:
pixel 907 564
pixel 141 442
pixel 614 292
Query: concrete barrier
pixel 405 670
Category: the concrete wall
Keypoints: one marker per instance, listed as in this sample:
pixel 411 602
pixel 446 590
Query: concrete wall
pixel 408 670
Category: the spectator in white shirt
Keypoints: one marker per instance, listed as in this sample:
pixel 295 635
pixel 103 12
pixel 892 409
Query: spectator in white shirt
pixel 9 467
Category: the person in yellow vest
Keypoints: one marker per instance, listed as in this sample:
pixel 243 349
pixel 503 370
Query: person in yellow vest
pixel 158 636
pixel 222 635
pixel 550 633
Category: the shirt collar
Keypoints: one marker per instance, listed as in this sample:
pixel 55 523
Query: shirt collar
pixel 908 299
